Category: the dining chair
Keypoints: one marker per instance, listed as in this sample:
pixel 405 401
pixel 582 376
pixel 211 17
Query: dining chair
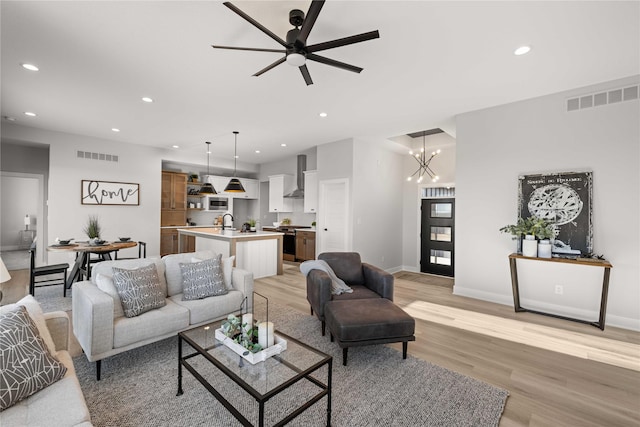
pixel 44 272
pixel 142 251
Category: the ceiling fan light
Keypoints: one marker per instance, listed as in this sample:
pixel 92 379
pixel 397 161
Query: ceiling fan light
pixel 296 59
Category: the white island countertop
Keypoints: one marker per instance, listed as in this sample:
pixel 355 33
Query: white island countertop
pixel 219 234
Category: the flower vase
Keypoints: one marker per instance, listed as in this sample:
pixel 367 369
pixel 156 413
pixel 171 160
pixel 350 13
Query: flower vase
pixel 530 246
pixel 544 249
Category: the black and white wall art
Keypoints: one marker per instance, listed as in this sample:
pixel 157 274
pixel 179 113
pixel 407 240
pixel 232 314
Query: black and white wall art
pixel 565 200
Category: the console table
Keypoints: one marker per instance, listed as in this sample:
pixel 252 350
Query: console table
pixel 579 261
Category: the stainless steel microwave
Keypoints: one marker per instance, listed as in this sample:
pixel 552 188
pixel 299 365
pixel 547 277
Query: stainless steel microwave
pixel 217 203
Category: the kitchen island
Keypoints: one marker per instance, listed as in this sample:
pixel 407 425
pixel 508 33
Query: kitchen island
pixel 259 252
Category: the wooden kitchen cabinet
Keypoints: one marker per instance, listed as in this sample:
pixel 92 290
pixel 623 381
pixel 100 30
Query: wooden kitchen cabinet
pixel 169 242
pixel 305 245
pixel 173 203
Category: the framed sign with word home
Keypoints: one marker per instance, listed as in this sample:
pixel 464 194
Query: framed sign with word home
pixel 110 193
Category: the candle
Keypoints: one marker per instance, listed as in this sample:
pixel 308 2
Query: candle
pixel 265 334
pixel 248 319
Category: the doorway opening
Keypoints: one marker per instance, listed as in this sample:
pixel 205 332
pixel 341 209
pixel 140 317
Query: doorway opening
pixel 437 235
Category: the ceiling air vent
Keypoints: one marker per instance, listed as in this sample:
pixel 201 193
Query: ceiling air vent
pixel 603 98
pixel 97 156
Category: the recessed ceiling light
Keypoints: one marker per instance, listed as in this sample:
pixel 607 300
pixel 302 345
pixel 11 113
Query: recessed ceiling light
pixel 323 114
pixel 522 50
pixel 283 145
pixel 9 118
pixel 257 151
pixel 115 129
pixel 147 99
pixel 30 67
pixel 175 146
pixel 29 113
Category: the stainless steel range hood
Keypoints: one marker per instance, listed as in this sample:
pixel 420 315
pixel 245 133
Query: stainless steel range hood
pixel 298 193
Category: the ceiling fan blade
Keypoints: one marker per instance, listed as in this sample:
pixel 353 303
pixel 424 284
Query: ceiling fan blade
pixel 344 41
pixel 275 64
pixel 306 75
pixel 333 62
pixel 255 23
pixel 248 48
pixel 309 21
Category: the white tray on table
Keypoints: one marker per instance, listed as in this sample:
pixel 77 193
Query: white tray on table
pixel 280 344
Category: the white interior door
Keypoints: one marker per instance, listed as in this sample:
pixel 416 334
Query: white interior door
pixel 333 216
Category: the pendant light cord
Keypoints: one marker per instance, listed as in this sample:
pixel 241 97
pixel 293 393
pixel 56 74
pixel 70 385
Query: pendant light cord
pixel 235 153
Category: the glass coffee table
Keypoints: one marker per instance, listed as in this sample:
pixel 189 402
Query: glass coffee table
pixel 278 375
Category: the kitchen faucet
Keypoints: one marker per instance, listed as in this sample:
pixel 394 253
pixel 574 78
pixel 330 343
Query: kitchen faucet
pixel 223 216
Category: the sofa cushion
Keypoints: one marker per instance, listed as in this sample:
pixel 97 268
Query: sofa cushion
pixel 62 401
pixel 105 284
pixel 227 269
pixel 212 308
pixel 172 268
pixel 154 323
pixel 26 366
pixel 106 268
pixel 35 311
pixel 359 292
pixel 202 279
pixel 139 290
pixel 346 265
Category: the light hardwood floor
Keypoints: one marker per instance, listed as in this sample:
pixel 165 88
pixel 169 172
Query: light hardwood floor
pixel 546 387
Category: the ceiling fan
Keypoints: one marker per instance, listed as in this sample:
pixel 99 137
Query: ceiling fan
pixel 295 47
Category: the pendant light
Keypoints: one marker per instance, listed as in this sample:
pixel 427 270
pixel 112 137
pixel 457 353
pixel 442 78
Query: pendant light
pixel 207 188
pixel 234 185
pixel 423 162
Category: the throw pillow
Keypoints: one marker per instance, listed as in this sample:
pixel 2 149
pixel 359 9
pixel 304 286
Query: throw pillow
pixel 36 314
pixel 202 279
pixel 26 366
pixel 227 270
pixel 105 284
pixel 139 290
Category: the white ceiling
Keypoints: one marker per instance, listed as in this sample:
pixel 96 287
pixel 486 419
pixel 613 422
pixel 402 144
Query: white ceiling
pixel 433 60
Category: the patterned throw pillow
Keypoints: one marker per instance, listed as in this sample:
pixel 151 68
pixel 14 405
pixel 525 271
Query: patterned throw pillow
pixel 202 279
pixel 139 290
pixel 26 366
pixel 227 269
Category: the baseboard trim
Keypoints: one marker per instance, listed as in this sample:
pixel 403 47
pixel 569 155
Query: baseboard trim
pixel 611 319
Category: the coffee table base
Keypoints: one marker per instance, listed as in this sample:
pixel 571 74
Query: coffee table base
pixel 325 389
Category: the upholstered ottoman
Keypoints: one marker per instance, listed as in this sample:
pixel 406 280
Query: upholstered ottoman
pixel 367 322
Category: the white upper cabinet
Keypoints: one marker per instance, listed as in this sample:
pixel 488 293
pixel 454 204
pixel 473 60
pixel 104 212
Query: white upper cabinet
pixel 279 185
pixel 311 191
pixel 251 189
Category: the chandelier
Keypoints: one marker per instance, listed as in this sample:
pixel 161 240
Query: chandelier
pixel 423 162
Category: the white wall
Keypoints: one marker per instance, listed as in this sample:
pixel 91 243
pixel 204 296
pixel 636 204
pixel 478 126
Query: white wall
pixel 67 216
pixel 496 145
pixel 19 197
pixel 377 203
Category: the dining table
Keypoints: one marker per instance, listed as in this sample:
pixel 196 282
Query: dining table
pixel 82 266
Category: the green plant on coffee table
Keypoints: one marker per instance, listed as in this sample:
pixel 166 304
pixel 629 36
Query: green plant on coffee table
pixel 235 329
pixel 92 229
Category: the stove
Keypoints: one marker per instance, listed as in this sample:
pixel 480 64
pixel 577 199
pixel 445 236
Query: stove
pixel 288 240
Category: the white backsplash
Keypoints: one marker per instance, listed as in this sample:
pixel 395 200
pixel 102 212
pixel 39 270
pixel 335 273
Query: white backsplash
pixel 298 217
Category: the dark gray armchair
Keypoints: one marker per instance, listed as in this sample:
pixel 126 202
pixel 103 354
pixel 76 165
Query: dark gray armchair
pixel 366 280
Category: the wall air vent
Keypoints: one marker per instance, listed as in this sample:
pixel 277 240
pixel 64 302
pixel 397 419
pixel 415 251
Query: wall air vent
pixel 97 156
pixel 603 98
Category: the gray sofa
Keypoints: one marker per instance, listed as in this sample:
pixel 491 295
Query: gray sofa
pixel 102 329
pixel 61 403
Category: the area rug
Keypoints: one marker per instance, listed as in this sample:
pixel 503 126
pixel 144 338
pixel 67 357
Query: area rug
pixel 51 299
pixel 377 388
